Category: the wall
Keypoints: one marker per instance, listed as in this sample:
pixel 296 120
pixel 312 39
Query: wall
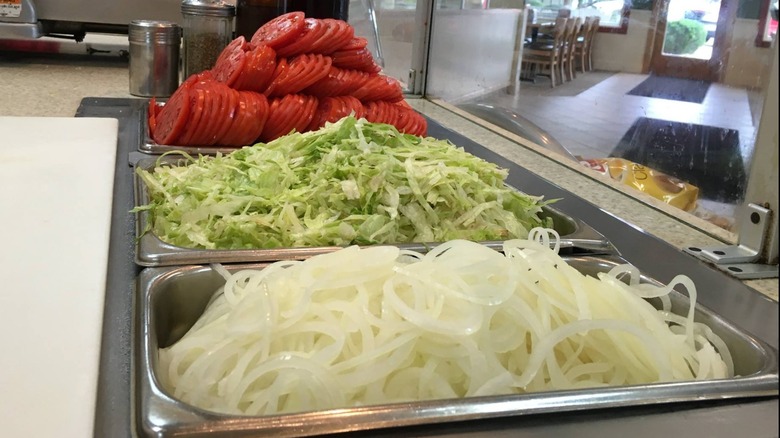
pixel 747 64
pixel 623 52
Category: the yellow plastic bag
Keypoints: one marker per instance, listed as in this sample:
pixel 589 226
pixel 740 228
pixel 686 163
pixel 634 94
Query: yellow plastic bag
pixel 657 184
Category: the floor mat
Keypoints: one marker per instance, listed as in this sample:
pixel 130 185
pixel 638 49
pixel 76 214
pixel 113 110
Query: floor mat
pixel 705 156
pixel 660 87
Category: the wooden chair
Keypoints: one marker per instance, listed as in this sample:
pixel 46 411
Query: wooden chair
pixel 569 40
pixel 582 44
pixel 592 39
pixel 546 55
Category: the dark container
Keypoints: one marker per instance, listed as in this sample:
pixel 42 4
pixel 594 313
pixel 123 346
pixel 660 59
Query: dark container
pixel 338 9
pixel 251 14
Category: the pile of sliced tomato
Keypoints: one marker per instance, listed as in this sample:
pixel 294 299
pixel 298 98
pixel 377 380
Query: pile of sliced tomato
pixel 295 74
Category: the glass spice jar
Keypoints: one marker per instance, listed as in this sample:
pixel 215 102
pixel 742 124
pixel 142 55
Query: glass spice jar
pixel 207 28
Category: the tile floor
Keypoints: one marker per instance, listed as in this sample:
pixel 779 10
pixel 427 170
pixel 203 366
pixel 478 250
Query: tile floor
pixel 590 115
pixel 591 119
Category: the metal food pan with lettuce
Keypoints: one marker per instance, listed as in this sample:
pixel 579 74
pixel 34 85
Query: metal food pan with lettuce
pixel 352 182
pixel 362 338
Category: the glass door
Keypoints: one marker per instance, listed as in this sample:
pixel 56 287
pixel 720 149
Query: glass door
pixel 692 37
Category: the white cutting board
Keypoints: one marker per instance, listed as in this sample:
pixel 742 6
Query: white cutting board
pixel 56 185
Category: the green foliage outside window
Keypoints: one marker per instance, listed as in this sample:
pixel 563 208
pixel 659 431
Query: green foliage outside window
pixel 683 37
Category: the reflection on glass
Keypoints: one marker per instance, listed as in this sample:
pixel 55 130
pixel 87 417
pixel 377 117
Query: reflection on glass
pixel 610 12
pixel 690 28
pixel 475 46
pixel 390 28
pixel 704 138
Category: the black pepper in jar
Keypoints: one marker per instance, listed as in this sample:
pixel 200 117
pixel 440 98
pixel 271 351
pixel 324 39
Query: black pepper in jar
pixel 208 28
pixel 202 51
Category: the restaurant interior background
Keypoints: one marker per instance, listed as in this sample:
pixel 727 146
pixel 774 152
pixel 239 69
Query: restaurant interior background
pixel 689 109
pixel 693 116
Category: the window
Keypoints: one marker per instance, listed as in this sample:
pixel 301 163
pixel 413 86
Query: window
pixel 613 14
pixel 767 23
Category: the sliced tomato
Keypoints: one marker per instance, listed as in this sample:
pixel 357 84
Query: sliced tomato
pixel 152 116
pixel 336 35
pixel 256 116
pixel 197 77
pixel 403 104
pixel 304 117
pixel 353 106
pixel 201 126
pixel 345 36
pixel 355 43
pixel 357 59
pixel 329 85
pixel 372 111
pixel 422 125
pixel 318 67
pixel 197 102
pixel 279 118
pixel 405 122
pixel 380 87
pixel 302 71
pixel 353 80
pixel 279 76
pixel 312 31
pixel 173 117
pixel 217 112
pixel 240 123
pixel 231 62
pixel 261 115
pixel 280 31
pixel 329 109
pixel 287 113
pixel 380 111
pixel 258 69
pixel 411 122
pixel 226 115
pixel 391 114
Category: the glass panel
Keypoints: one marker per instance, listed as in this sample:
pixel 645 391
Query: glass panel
pixel 700 136
pixel 390 28
pixel 770 28
pixel 690 28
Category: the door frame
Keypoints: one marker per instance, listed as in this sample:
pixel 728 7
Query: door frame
pixel 712 70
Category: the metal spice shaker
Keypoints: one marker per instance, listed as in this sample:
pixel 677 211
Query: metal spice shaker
pixel 154 57
pixel 208 28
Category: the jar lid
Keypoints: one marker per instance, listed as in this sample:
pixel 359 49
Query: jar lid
pixel 211 8
pixel 154 31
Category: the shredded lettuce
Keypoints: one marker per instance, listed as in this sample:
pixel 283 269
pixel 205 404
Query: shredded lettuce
pixel 351 182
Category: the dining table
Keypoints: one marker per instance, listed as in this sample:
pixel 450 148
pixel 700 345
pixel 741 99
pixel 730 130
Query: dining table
pixel 534 29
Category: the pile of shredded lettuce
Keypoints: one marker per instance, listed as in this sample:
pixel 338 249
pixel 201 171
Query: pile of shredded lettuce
pixel 351 182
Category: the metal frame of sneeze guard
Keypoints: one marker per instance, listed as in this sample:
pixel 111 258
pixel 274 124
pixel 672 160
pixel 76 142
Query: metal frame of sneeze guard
pixel 758 232
pixel 738 260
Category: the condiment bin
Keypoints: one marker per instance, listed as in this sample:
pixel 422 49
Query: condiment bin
pixel 170 299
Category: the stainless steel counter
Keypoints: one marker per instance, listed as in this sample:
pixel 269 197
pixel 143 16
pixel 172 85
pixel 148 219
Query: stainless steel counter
pixel 50 87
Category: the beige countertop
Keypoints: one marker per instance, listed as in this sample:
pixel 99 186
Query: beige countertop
pixel 44 86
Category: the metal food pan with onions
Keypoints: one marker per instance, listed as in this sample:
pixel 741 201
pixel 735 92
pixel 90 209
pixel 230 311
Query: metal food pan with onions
pixel 576 237
pixel 170 299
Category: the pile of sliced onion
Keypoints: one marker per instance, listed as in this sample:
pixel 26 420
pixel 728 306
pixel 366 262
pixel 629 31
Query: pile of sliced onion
pixel 376 325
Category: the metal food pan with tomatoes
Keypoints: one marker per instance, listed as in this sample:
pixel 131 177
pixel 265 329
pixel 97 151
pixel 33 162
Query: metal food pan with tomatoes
pixel 352 182
pixel 294 75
